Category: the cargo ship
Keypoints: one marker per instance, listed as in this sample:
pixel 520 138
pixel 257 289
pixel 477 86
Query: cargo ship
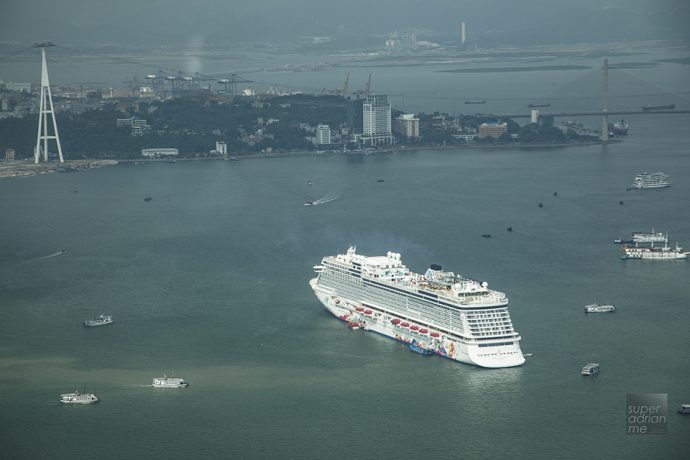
pixel 650 108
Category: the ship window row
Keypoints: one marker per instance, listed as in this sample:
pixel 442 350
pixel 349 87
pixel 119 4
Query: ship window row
pixel 499 344
pixel 489 323
pixel 492 332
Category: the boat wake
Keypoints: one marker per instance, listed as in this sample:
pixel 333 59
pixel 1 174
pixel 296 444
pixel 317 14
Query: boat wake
pixel 59 253
pixel 324 199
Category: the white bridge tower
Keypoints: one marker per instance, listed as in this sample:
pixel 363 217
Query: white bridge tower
pixel 46 108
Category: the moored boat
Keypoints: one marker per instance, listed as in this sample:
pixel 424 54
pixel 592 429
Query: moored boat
pixel 421 350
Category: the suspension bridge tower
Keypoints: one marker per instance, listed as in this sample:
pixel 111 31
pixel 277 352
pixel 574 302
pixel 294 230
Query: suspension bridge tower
pixel 46 107
pixel 605 118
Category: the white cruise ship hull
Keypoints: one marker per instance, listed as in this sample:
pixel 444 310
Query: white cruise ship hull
pixel 444 345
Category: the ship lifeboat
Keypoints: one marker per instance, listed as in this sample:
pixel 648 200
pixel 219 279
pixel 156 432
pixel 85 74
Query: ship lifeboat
pixel 368 312
pixel 359 309
pixel 405 324
pixel 435 334
pixel 414 327
pixel 423 331
pixel 395 321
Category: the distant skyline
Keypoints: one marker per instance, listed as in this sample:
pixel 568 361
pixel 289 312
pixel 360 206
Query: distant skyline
pixel 490 22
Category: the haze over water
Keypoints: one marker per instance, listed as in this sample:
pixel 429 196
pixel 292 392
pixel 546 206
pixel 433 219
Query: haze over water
pixel 209 281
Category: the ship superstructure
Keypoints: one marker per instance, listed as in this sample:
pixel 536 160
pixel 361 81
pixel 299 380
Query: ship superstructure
pixel 441 312
pixel 664 252
pixel 653 180
pixel 653 237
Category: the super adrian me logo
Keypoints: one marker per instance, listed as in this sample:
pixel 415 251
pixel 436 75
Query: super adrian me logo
pixel 646 413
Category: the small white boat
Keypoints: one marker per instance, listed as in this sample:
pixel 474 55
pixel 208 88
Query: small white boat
pixel 100 321
pixel 590 369
pixel 684 409
pixel 169 382
pixel 596 308
pixel 78 398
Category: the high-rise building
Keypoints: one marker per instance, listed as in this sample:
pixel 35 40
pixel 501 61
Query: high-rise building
pixel 323 134
pixel 376 121
pixel 407 125
pixel 494 130
pixel 462 34
pixel 221 148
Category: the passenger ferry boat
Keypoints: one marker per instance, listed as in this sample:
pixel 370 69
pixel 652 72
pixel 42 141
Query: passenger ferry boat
pixel 653 237
pixel 169 382
pixel 654 253
pixel 100 321
pixel 596 308
pixel 590 369
pixel 78 398
pixel 455 317
pixel 654 180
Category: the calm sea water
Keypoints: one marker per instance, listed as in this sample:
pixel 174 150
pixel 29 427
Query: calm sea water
pixel 209 281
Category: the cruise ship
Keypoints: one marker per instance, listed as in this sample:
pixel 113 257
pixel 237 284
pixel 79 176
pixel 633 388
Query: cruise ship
pixel 654 253
pixel 438 312
pixel 653 180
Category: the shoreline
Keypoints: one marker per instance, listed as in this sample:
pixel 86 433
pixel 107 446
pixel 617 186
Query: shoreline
pixel 531 146
pixel 23 168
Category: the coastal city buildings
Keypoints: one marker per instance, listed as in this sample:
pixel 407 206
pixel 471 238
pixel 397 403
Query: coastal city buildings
pixel 376 123
pixel 159 152
pixel 221 148
pixel 138 126
pixel 494 130
pixel 323 135
pixel 407 125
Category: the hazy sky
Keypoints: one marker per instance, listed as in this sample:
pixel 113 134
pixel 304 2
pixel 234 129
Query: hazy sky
pixel 228 21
